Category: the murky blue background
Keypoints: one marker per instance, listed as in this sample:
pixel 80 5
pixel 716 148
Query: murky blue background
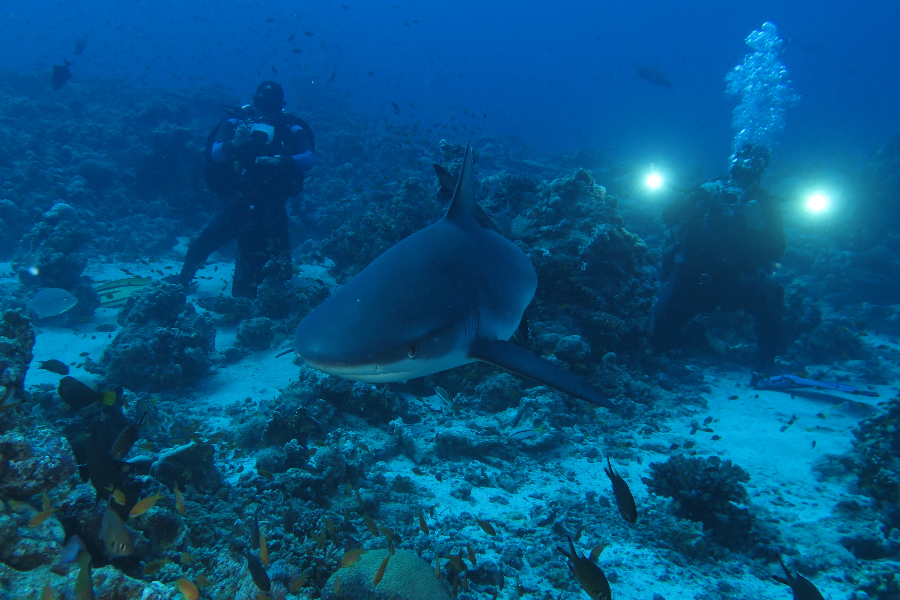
pixel 559 75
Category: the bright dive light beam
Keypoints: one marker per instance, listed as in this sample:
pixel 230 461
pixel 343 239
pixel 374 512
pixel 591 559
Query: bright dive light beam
pixel 654 181
pixel 817 202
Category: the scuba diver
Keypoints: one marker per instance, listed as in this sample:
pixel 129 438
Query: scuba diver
pixel 256 159
pixel 727 236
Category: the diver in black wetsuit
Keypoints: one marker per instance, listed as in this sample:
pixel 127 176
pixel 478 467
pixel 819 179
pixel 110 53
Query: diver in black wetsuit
pixel 256 159
pixel 727 236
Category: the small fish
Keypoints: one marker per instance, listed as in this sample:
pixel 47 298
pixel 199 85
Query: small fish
pixel 624 499
pixel 80 45
pixel 320 539
pixel 803 588
pixel 47 594
pixel 83 588
pixel 395 107
pixel 654 76
pixel 380 574
pixel 525 434
pixel 298 583
pixel 151 568
pixel 145 504
pixel 333 75
pixel 588 574
pixel 486 527
pixel 118 495
pixel 423 526
pixel 438 390
pixel 258 573
pixel 351 556
pixel 263 549
pixel 126 440
pixel 456 564
pixel 54 366
pixel 115 535
pixel 471 555
pixel 370 524
pixel 329 525
pixel 337 586
pixel 61 74
pixel 41 517
pixel 179 500
pixel 74 546
pixel 186 558
pixel 188 589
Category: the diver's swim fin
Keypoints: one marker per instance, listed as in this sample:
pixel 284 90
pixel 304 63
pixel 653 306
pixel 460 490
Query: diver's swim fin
pixel 524 363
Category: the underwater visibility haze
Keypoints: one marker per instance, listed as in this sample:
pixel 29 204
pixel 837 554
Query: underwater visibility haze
pixel 410 300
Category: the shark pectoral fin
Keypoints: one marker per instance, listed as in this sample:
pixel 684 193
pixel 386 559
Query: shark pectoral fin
pixel 524 363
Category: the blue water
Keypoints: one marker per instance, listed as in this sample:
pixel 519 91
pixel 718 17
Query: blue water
pixel 554 77
pixel 560 76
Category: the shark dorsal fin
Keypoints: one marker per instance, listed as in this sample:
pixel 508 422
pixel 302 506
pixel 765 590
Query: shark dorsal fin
pixel 463 210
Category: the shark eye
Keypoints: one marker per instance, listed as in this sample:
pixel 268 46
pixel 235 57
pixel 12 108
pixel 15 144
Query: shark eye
pixel 412 352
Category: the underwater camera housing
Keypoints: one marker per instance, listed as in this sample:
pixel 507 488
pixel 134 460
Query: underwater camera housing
pixel 262 133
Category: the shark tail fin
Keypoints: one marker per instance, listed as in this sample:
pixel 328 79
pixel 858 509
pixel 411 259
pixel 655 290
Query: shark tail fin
pixel 463 209
pixel 524 363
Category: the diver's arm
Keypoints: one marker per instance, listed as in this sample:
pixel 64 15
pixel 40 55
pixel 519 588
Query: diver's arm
pixel 223 147
pixel 303 157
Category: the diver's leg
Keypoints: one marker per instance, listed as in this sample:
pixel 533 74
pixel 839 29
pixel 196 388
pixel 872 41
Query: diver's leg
pixel 264 237
pixel 281 233
pixel 764 299
pixel 223 227
pixel 678 303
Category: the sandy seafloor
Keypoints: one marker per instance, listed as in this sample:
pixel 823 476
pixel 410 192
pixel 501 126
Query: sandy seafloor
pixel 776 437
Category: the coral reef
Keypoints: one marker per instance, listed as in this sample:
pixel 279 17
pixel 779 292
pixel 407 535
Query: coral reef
pixel 30 464
pixel 25 548
pixel 255 334
pixel 386 218
pixel 17 338
pixel 583 253
pixel 52 253
pixel 324 465
pixel 407 577
pixel 709 491
pixel 877 447
pixel 163 344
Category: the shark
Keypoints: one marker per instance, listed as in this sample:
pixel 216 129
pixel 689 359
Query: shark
pixel 450 294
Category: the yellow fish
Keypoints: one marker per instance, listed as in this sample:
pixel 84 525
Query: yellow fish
pixel 145 505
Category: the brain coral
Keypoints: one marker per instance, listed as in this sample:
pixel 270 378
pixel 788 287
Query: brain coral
pixel 407 577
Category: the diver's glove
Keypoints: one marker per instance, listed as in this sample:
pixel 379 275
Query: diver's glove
pixel 279 164
pixel 268 162
pixel 241 136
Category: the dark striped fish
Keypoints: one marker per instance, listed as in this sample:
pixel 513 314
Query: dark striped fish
pixel 114 294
